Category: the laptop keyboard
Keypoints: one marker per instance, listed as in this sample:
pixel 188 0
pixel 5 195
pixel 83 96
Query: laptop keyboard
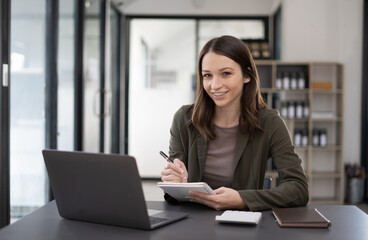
pixel 155 220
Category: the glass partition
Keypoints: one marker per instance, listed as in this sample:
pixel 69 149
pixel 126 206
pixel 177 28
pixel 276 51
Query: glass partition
pixel 92 51
pixel 162 68
pixel 65 113
pixel 27 98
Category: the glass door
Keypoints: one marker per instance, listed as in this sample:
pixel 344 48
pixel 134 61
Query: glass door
pixel 92 76
pixel 66 51
pixel 101 78
pixel 29 188
pixel 27 97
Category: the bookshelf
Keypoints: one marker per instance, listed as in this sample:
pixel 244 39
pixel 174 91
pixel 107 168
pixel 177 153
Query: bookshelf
pixel 309 96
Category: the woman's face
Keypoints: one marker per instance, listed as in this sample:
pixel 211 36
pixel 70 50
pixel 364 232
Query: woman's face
pixel 223 80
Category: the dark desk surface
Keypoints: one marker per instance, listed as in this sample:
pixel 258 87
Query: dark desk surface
pixel 348 222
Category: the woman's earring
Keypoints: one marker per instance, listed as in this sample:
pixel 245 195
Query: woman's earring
pixel 247 80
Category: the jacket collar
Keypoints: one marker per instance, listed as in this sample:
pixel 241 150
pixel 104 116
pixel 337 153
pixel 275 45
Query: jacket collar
pixel 202 154
pixel 241 142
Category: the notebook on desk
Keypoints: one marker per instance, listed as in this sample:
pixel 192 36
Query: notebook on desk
pixel 102 188
pixel 300 217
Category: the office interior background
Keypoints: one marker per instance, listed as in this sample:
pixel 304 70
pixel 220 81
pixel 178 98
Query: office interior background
pixel 107 76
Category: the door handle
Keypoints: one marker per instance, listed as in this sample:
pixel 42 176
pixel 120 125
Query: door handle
pixel 107 94
pixel 97 103
pixel 5 76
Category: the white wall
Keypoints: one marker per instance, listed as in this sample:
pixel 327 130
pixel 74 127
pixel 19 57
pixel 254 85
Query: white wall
pixel 330 30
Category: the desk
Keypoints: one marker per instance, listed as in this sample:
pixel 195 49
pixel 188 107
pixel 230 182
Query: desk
pixel 348 223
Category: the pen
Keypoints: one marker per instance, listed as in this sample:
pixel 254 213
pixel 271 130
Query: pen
pixel 166 157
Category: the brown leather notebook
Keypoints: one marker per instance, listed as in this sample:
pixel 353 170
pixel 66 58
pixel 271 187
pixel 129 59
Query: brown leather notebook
pixel 300 217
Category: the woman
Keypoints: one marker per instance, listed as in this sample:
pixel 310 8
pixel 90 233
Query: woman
pixel 227 136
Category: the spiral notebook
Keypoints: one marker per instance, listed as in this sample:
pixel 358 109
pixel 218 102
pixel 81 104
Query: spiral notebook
pixel 179 191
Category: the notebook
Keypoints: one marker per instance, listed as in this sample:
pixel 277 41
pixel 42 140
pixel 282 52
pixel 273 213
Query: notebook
pixel 179 191
pixel 300 217
pixel 102 188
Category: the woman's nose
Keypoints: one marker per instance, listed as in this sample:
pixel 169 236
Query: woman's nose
pixel 216 83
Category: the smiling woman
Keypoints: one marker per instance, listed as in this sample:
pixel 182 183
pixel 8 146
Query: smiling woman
pixel 223 81
pixel 227 136
pixel 162 67
pixel 221 54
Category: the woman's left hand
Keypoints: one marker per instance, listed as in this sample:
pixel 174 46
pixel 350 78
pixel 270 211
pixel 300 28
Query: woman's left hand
pixel 225 198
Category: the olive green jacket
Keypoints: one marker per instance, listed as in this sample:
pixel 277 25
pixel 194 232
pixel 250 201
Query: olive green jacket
pixel 250 160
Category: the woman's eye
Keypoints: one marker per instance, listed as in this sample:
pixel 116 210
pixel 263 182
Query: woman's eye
pixel 206 75
pixel 226 73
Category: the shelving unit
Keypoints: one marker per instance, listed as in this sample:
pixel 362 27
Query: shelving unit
pixel 323 93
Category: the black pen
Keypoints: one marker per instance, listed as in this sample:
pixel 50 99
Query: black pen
pixel 166 157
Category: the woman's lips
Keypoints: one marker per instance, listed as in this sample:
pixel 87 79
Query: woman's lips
pixel 218 95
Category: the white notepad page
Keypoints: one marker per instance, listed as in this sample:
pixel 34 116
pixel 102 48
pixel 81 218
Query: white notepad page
pixel 179 191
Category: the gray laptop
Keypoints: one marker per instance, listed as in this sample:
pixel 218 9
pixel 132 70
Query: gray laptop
pixel 102 188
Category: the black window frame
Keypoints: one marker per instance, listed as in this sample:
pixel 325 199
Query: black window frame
pixel 51 80
pixel 364 119
pixel 79 29
pixel 4 113
pixel 116 86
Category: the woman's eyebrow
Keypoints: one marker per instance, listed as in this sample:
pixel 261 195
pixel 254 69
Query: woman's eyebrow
pixel 222 69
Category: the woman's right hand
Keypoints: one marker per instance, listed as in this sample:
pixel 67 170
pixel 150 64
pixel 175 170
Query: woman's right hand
pixel 175 172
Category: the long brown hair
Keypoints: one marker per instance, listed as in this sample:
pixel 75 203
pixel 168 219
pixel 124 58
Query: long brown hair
pixel 251 99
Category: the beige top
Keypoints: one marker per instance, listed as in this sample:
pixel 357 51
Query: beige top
pixel 218 169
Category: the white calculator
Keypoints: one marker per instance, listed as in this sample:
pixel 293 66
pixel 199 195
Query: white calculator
pixel 241 217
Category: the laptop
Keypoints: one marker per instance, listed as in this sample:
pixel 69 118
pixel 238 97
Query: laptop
pixel 102 188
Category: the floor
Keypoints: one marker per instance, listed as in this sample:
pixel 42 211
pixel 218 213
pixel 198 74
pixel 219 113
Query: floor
pixel 363 207
pixel 154 193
